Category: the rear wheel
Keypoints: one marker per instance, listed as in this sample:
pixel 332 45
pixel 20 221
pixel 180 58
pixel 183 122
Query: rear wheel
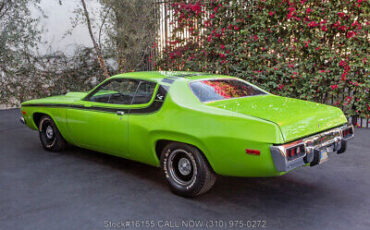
pixel 187 171
pixel 50 137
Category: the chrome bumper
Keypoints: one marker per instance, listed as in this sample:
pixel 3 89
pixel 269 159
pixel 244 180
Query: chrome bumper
pixel 333 140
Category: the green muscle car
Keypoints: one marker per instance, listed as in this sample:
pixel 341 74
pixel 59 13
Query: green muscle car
pixel 192 125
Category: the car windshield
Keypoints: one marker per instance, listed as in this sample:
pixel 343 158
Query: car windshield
pixel 220 89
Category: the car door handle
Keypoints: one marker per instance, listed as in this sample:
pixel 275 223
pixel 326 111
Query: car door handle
pixel 120 113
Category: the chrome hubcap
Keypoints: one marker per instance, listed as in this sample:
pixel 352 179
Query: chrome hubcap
pixel 49 132
pixel 184 166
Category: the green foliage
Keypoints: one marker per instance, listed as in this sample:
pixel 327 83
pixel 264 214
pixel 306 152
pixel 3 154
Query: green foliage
pixel 132 27
pixel 51 75
pixel 18 34
pixel 314 50
pixel 124 31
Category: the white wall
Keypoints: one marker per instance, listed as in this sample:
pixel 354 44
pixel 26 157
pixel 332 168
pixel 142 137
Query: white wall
pixel 58 21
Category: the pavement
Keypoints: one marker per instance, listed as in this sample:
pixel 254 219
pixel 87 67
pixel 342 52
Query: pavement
pixel 81 189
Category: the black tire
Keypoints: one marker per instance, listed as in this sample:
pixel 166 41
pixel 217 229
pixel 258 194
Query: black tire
pixel 187 171
pixel 50 137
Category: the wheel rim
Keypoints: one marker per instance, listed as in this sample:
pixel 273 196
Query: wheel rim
pixel 182 167
pixel 48 133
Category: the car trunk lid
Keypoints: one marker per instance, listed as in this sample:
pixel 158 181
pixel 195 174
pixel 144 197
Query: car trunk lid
pixel 296 118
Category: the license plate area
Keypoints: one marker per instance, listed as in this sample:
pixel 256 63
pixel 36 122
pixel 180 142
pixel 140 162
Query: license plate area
pixel 323 156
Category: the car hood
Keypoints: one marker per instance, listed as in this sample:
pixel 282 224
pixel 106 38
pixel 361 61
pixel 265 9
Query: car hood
pixel 296 118
pixel 62 99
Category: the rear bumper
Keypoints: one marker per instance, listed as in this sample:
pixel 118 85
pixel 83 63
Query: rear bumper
pixel 334 140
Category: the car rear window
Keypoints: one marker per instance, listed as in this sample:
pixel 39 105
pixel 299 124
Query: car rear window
pixel 220 89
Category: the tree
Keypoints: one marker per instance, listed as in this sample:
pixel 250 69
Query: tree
pixel 123 31
pixel 19 35
pixel 95 44
pixel 90 19
pixel 131 32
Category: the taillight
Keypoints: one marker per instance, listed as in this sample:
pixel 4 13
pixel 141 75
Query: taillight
pixel 347 132
pixel 295 152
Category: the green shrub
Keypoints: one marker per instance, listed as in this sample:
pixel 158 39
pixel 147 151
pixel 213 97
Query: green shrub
pixel 314 50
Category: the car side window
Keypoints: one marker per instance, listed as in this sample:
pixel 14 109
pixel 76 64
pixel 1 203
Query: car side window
pixel 116 91
pixel 144 93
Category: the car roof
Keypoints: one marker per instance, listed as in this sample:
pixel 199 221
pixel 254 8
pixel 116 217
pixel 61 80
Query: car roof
pixel 160 75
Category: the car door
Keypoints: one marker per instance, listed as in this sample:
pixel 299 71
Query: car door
pixel 100 121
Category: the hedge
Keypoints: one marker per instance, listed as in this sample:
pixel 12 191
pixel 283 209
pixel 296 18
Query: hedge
pixel 312 50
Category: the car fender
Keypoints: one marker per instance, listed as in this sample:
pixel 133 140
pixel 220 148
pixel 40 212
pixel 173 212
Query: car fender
pixel 173 136
pixel 56 115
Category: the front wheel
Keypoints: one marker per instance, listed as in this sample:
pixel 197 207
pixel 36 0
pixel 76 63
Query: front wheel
pixel 187 171
pixel 50 137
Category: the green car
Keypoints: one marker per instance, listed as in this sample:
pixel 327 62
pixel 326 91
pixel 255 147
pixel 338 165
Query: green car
pixel 192 125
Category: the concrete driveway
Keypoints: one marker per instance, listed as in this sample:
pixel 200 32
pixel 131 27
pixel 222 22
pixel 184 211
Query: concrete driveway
pixel 80 189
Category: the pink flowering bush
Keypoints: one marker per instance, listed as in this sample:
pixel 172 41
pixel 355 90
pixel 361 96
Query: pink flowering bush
pixel 314 50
